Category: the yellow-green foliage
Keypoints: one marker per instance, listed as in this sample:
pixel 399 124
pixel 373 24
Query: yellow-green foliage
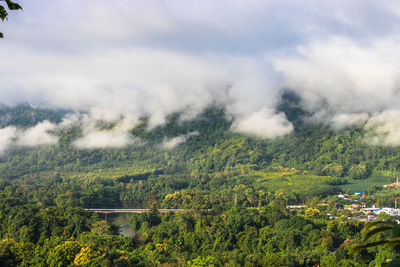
pixel 110 173
pixel 85 255
pixel 290 180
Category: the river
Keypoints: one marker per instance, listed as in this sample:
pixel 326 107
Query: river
pixel 122 220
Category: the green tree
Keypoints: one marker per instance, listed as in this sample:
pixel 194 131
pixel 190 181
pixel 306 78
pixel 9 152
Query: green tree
pixel 3 12
pixel 376 229
pixel 359 171
pixel 101 228
pixel 200 261
pixel 64 254
pixel 333 169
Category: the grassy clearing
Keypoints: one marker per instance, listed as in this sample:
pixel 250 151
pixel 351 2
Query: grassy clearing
pixel 378 178
pixel 293 181
pixel 124 172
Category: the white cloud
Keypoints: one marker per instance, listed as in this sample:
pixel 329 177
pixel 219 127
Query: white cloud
pixel 37 135
pixel 342 121
pixel 125 59
pixel 7 136
pixel 40 134
pixel 176 141
pixel 103 139
pixel 263 124
pixel 342 76
pixel 94 136
pixel 384 128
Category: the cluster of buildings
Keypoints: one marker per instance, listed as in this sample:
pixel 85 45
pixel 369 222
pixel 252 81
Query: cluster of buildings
pixel 377 211
pixel 370 214
pixel 358 198
pixel 394 185
pixel 358 195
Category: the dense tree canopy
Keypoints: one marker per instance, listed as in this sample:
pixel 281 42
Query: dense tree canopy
pixel 235 191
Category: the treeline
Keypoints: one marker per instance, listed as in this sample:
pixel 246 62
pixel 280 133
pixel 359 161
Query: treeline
pixel 212 147
pixel 231 186
pixel 34 235
pixel 270 235
pixel 26 115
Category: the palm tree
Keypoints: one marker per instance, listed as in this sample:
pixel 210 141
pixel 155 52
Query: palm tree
pixel 3 12
pixel 378 227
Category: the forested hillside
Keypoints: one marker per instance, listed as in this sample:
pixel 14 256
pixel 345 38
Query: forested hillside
pixel 210 147
pixel 234 188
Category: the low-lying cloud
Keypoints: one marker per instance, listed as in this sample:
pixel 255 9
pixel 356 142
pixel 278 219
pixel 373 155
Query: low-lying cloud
pixel 345 120
pixel 177 140
pixel 7 136
pixel 101 129
pixel 103 139
pixel 123 60
pixel 264 123
pixel 40 134
pixel 340 75
pixel 384 128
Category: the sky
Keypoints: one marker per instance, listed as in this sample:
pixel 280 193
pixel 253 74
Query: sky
pixel 123 59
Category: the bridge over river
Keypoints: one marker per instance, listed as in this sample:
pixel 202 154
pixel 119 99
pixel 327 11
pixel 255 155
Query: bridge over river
pixel 108 211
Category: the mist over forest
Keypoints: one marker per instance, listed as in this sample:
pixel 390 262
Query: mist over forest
pixel 154 59
pixel 199 133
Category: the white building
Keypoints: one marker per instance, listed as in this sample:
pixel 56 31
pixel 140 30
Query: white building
pixel 390 211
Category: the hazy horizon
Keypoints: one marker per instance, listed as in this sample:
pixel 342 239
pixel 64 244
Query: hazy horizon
pixel 126 59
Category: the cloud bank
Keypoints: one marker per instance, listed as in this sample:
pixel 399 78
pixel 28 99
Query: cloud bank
pixel 40 134
pixel 263 124
pixel 7 136
pixel 126 59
